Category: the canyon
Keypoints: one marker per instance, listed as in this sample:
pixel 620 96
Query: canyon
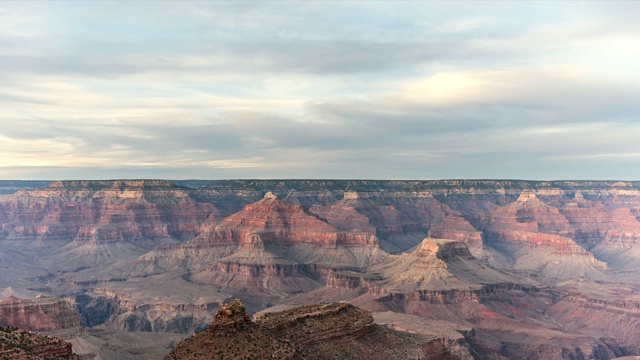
pixel 492 269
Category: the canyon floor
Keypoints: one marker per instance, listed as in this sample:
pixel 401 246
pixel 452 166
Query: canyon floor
pixel 494 269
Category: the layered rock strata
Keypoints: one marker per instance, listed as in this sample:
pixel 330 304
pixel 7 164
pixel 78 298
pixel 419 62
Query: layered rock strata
pixel 455 227
pixel 44 314
pixel 101 221
pixel 324 331
pixel 276 222
pixel 16 344
pixel 537 237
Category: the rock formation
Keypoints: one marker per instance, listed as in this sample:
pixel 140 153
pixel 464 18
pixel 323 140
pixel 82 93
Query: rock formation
pixel 435 264
pixel 16 344
pixel 537 237
pixel 101 221
pixel 276 222
pixel 44 314
pixel 499 268
pixel 324 331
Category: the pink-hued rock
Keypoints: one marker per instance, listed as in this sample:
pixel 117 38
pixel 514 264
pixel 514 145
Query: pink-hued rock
pixel 276 222
pixel 104 211
pixel 455 227
pixel 41 314
pixel 538 237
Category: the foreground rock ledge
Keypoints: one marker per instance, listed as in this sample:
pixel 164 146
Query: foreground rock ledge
pixel 323 331
pixel 16 344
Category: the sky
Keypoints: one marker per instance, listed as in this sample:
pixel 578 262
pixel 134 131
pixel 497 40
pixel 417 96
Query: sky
pixel 320 90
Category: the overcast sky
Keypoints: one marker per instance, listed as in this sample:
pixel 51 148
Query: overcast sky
pixel 361 90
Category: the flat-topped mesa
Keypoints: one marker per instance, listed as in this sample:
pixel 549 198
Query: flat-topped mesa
pixel 539 237
pixel 534 225
pixel 528 213
pixel 398 217
pixel 436 264
pixel 74 185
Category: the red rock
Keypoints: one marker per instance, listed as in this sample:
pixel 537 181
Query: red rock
pixel 455 227
pixel 231 317
pixel 16 344
pixel 40 314
pixel 278 223
pixel 104 211
pixel 345 218
pixel 536 236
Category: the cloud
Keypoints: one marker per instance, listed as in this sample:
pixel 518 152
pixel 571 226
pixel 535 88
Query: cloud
pixel 387 90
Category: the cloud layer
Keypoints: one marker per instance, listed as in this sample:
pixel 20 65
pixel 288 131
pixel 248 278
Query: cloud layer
pixel 319 90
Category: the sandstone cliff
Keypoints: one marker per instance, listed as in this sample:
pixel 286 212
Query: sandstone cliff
pixel 44 314
pixel 537 237
pixel 100 222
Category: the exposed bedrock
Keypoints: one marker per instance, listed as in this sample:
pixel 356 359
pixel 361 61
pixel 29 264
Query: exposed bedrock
pixel 455 227
pixel 277 222
pixel 18 344
pixel 324 331
pixel 150 207
pixel 44 314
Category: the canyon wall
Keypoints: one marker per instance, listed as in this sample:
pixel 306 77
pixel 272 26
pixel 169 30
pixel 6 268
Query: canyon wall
pixel 504 267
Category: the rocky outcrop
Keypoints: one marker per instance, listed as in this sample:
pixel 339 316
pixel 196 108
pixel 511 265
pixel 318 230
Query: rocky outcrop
pixel 230 318
pixel 16 344
pixel 44 314
pixel 324 331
